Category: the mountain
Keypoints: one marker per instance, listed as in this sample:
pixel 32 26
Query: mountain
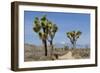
pixel 56 45
pixel 60 45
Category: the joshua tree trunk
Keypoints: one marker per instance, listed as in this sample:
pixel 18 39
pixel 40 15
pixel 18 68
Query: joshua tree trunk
pixel 74 45
pixel 45 43
pixel 45 46
pixel 51 44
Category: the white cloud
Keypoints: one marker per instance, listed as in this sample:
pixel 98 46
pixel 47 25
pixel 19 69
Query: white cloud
pixel 63 42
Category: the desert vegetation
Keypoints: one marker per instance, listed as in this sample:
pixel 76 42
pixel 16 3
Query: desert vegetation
pixel 37 53
pixel 73 36
pixel 46 31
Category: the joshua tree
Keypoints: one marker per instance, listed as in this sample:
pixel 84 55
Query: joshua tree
pixel 40 28
pixel 52 29
pixel 73 36
pixel 45 30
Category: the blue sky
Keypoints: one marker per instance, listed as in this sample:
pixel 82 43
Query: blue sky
pixel 65 21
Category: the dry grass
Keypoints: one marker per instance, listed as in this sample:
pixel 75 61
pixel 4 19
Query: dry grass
pixel 81 53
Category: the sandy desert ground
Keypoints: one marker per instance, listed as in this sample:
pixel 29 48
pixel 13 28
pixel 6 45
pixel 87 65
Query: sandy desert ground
pixel 34 53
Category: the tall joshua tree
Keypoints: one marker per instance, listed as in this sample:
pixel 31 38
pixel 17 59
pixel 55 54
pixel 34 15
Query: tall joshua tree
pixel 52 29
pixel 40 28
pixel 73 36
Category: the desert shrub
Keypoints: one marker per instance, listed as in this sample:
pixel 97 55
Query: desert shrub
pixel 81 53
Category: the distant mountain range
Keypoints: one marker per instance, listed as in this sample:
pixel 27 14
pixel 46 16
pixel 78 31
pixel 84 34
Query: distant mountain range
pixel 59 45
